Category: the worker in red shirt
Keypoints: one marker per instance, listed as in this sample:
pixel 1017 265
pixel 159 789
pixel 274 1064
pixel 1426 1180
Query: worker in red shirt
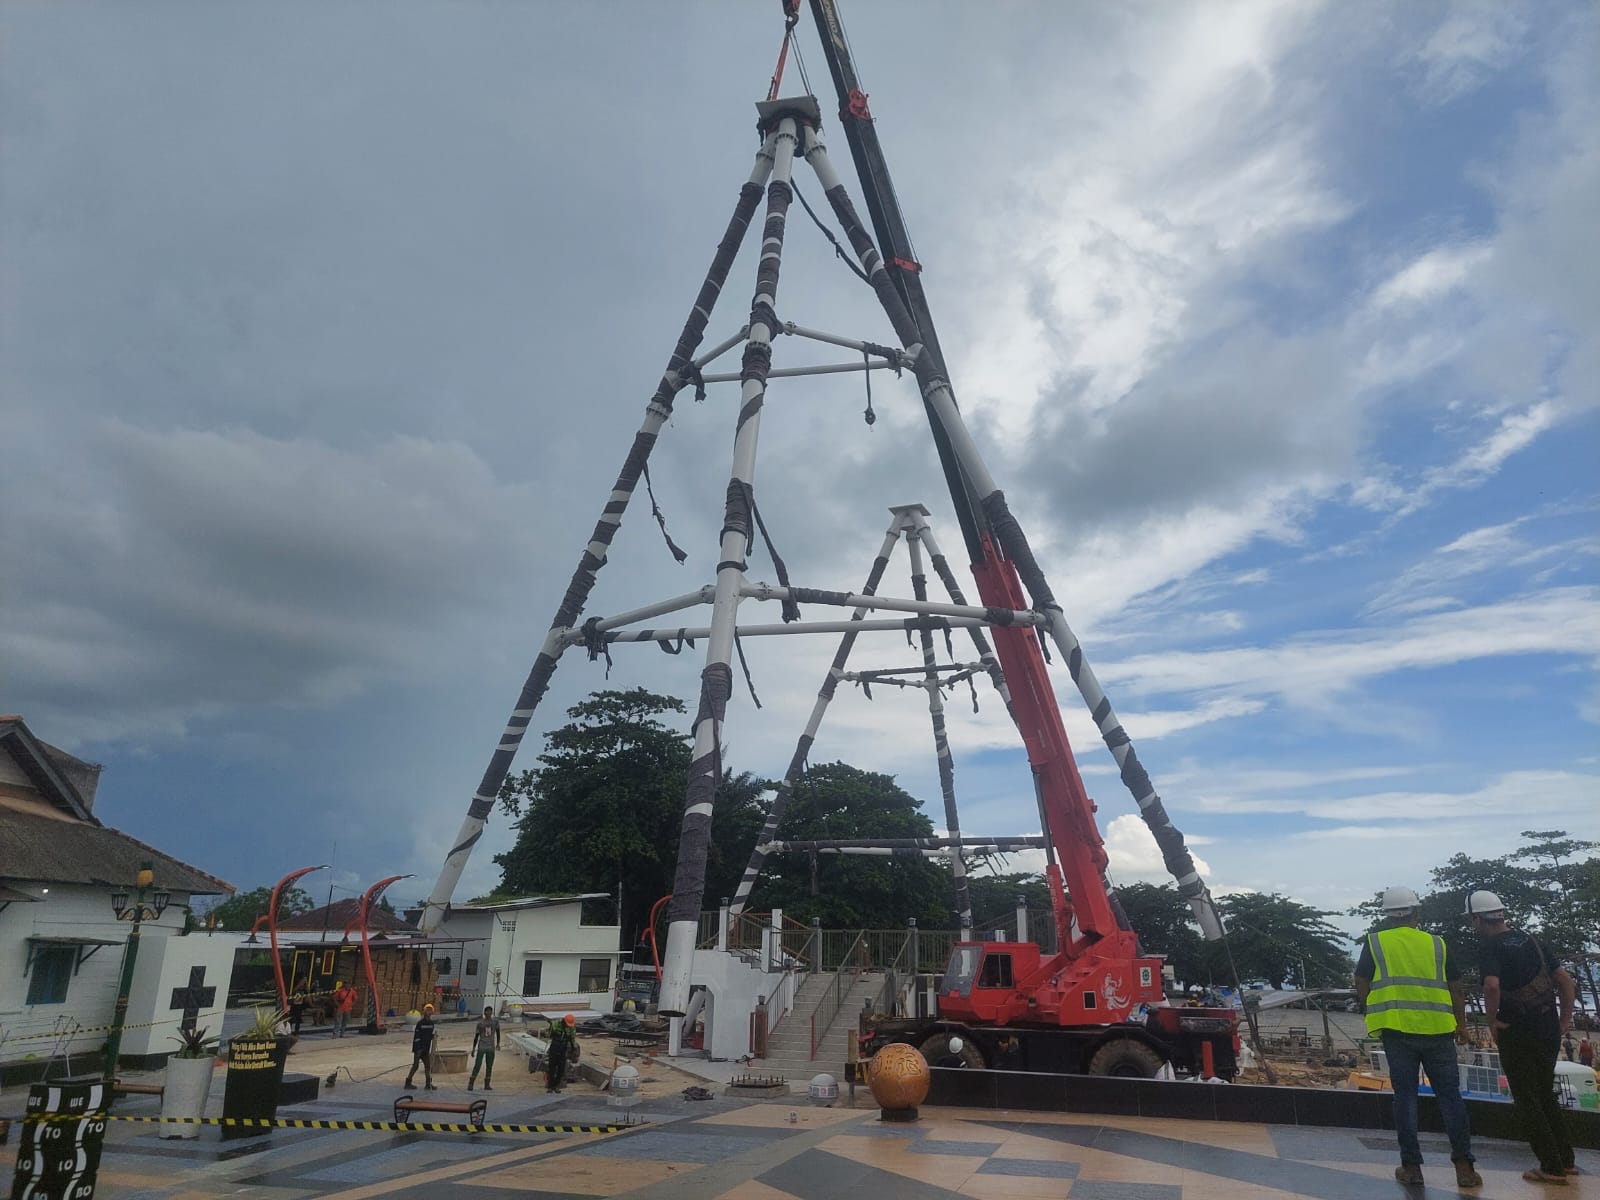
pixel 344 1002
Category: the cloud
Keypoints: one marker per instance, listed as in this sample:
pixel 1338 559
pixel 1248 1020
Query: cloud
pixel 1433 274
pixel 290 572
pixel 1314 669
pixel 1476 39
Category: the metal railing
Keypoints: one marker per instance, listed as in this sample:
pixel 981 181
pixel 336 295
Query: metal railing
pixel 833 997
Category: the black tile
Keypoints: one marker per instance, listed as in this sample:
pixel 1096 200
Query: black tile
pixel 819 1175
pixel 1252 1102
pixel 963 1089
pixel 1092 1094
pixel 1105 1189
pixel 1184 1101
pixel 1030 1090
pixel 1341 1109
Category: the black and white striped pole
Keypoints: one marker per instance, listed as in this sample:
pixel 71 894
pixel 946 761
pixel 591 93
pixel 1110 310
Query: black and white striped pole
pixel 657 412
pixel 819 708
pixel 915 517
pixel 947 422
pixel 738 529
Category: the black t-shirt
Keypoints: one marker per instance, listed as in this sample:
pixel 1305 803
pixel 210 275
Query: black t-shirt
pixel 422 1036
pixel 1366 968
pixel 1515 957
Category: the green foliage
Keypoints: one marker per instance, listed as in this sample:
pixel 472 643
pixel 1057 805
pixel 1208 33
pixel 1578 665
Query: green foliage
pixel 265 1025
pixel 836 800
pixel 193 1043
pixel 605 804
pixel 1162 919
pixel 241 910
pixel 1280 940
pixel 994 897
pixel 1546 887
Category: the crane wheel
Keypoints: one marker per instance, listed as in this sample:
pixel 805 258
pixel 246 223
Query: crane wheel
pixel 936 1049
pixel 1126 1058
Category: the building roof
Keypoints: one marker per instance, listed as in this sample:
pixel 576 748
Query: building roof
pixel 527 902
pixel 57 778
pixel 340 914
pixel 40 849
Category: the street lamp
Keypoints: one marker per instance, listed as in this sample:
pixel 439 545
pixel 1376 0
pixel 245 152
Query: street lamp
pixel 137 912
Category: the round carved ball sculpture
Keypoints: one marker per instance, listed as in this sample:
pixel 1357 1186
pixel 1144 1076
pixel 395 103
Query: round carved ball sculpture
pixel 898 1076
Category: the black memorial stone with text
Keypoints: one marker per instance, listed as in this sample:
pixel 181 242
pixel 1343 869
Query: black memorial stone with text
pixel 254 1084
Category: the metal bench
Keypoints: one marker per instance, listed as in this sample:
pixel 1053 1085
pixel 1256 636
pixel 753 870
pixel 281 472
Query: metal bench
pixel 475 1112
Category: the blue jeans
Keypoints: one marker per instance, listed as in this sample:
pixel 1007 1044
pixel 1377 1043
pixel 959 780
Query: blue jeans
pixel 1436 1054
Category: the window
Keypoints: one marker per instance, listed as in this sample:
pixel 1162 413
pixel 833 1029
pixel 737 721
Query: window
pixel 441 966
pixel 52 970
pixel 328 960
pixel 472 966
pixel 531 971
pixel 594 974
pixel 996 971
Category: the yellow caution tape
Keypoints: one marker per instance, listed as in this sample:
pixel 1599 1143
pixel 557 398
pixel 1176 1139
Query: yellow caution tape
pixel 392 1126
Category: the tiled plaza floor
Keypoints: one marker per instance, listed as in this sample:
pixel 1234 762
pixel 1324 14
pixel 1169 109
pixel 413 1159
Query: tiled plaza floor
pixel 728 1150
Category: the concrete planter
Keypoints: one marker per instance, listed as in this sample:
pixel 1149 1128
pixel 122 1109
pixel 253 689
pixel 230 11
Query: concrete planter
pixel 186 1089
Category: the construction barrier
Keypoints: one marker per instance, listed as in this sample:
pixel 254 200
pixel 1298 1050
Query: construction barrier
pixel 283 1123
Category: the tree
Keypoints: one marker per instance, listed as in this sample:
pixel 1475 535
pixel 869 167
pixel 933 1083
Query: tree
pixel 241 910
pixel 1560 877
pixel 1163 921
pixel 994 897
pixel 1280 940
pixel 836 800
pixel 605 804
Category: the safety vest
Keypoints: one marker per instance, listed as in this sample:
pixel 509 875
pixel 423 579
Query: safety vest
pixel 1409 993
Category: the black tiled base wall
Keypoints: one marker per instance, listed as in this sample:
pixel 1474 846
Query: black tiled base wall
pixel 1220 1102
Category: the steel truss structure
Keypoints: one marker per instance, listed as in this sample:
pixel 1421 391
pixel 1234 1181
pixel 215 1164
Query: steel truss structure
pixel 1002 560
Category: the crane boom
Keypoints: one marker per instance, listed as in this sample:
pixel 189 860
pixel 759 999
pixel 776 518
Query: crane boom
pixel 1002 560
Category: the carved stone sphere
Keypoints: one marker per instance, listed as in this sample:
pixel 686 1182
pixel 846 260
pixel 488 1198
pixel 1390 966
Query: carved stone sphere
pixel 898 1076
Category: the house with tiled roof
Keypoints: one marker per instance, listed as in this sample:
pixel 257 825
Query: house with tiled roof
pixel 63 874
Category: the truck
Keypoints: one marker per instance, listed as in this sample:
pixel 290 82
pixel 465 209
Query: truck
pixel 989 1016
pixel 1096 1005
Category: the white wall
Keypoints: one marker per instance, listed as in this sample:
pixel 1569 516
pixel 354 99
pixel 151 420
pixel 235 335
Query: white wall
pixel 75 911
pixel 735 986
pixel 164 964
pixel 552 934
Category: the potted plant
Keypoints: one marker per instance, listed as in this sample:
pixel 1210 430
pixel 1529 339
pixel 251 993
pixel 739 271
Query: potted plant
pixel 188 1082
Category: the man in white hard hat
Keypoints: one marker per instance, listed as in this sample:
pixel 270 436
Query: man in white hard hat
pixel 1414 1003
pixel 1531 996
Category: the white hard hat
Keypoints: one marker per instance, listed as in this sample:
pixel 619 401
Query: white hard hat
pixel 1399 899
pixel 956 1045
pixel 1482 903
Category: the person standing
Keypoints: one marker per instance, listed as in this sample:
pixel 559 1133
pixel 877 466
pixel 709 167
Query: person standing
pixel 1415 1004
pixel 297 1012
pixel 344 1002
pixel 485 1041
pixel 422 1050
pixel 1531 996
pixel 563 1046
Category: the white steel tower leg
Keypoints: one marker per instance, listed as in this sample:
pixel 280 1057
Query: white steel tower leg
pixel 716 682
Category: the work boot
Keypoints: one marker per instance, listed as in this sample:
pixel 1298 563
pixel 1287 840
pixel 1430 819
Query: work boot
pixel 430 1087
pixel 1466 1174
pixel 409 1084
pixel 1409 1174
pixel 489 1087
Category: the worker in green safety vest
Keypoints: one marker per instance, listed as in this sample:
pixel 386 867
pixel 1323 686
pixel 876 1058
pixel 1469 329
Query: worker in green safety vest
pixel 1414 1002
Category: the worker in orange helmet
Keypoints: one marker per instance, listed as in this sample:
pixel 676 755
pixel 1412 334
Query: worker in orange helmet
pixel 563 1048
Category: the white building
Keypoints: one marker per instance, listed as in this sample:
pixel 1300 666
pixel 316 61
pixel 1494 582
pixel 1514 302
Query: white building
pixel 536 951
pixel 61 944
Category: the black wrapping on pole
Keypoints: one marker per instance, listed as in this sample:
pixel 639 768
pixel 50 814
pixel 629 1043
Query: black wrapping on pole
pixel 1174 852
pixel 791 610
pixel 705 774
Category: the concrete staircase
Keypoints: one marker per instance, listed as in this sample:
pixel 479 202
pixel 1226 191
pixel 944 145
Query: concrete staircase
pixel 789 1045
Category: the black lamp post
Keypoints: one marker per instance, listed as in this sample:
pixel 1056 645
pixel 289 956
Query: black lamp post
pixel 138 912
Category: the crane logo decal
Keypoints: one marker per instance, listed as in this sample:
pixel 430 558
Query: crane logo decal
pixel 1111 992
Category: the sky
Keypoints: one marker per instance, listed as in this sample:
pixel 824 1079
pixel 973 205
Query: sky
pixel 324 329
